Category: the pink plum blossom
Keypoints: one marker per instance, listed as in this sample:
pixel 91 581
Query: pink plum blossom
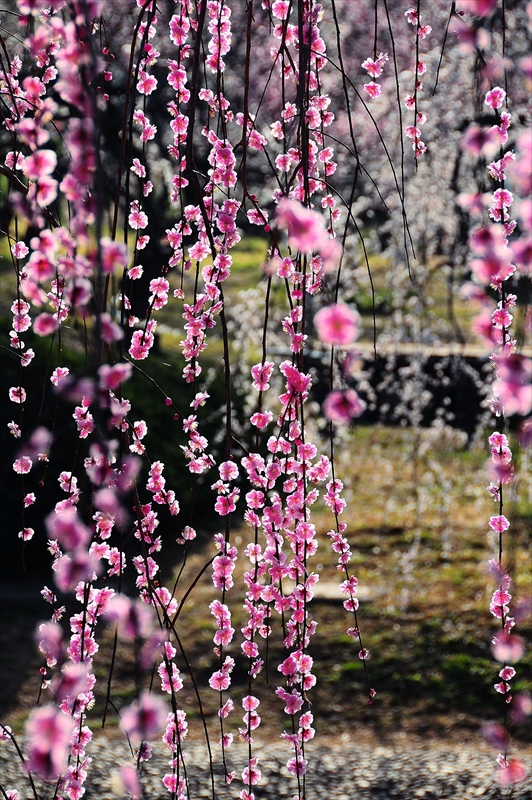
pixel 337 324
pixel 144 719
pixel 342 406
pixel 495 97
pixel 49 732
pixel 513 385
pixel 372 89
pixel 306 231
pixel 17 394
pixel 507 647
pixel 58 375
pixel 511 772
pixel 22 465
pixel 45 324
pixel 111 377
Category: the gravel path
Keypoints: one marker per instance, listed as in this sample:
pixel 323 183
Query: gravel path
pixel 338 770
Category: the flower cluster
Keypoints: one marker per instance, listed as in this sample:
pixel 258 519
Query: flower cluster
pixel 511 391
pixel 412 100
pixel 374 68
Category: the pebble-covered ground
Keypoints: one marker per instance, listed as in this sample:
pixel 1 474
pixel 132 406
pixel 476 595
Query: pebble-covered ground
pixel 338 770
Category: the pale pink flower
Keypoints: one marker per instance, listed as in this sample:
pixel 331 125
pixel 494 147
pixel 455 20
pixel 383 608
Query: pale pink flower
pixel 281 9
pixel 144 719
pixel 114 255
pixel 45 324
pixel 19 250
pixel 283 162
pixel 261 419
pixel 261 374
pixel 219 681
pixel 135 272
pixel 68 529
pixel 49 732
pixel 513 771
pixel 130 781
pixel 374 68
pixel 372 89
pixel 481 8
pixel 111 377
pixel 306 230
pixel 499 523
pixel 495 735
pixel 513 385
pixel 342 406
pixel 44 191
pixel 495 97
pixel 138 168
pixel 228 471
pixel 412 132
pixel 146 84
pixel 337 324
pixel 40 163
pixel 17 394
pixel 507 648
pixel 27 357
pixel 58 374
pixel 521 708
pixel 22 465
pixel 137 218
